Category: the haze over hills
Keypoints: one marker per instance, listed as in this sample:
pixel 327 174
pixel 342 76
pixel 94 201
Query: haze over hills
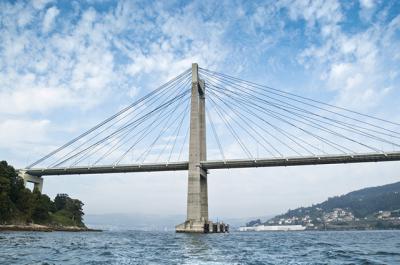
pixel 359 204
pixel 121 221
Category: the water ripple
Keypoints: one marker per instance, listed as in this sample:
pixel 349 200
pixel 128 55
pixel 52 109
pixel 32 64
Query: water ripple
pixel 138 247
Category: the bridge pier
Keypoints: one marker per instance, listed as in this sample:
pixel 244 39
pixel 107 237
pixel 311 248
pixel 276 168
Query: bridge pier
pixel 37 181
pixel 197 200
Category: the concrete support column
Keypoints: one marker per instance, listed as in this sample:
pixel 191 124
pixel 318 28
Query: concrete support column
pixel 37 181
pixel 203 151
pixel 38 185
pixel 194 189
pixel 197 199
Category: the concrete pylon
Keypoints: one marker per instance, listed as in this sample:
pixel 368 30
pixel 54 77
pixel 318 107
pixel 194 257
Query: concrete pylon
pixel 197 205
pixel 197 199
pixel 197 181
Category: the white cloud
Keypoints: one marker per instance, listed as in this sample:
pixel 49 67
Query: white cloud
pixel 40 99
pixel 22 135
pixel 49 18
pixel 314 12
pixel 367 3
pixel 354 65
pixel 186 38
pixel 40 4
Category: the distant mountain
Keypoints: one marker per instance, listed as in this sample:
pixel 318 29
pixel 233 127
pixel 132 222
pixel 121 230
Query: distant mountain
pixel 120 221
pixel 361 203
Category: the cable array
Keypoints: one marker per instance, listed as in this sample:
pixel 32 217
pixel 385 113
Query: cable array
pixel 256 121
pixel 151 129
pixel 244 120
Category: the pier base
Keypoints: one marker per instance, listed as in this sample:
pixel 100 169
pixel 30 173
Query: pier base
pixel 192 226
pixel 37 181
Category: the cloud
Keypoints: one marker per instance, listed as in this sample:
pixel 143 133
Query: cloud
pixel 318 12
pixel 43 73
pixel 25 100
pixel 367 4
pixel 186 38
pixel 40 4
pixel 49 18
pixel 22 136
pixel 354 65
pixel 85 62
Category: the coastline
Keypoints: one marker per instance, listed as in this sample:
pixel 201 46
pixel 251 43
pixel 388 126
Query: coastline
pixel 45 228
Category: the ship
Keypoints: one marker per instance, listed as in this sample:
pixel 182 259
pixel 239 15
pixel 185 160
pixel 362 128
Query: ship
pixel 260 228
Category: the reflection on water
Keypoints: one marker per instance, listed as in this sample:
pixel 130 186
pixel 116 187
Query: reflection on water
pixel 138 247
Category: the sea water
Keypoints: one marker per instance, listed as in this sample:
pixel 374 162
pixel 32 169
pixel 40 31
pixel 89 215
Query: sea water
pixel 140 247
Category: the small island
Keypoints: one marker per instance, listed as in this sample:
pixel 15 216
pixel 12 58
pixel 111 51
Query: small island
pixel 24 210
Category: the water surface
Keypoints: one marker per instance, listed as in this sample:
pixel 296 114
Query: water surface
pixel 139 247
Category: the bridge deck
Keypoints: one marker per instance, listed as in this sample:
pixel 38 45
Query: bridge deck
pixel 220 164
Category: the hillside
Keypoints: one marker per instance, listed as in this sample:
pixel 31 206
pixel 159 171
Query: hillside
pixel 369 208
pixel 361 203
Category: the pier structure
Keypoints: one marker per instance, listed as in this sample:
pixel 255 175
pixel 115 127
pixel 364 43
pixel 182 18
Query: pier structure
pixel 36 180
pixel 197 195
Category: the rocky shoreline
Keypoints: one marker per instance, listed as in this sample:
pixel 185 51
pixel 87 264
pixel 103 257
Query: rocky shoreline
pixel 45 228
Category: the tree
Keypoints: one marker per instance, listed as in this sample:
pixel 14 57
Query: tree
pixel 25 204
pixel 70 207
pixel 19 205
pixel 60 201
pixel 6 208
pixel 42 208
pixel 74 206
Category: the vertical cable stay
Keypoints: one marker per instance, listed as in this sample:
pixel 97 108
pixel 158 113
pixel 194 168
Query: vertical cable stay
pixel 317 126
pixel 120 125
pixel 352 126
pixel 215 135
pixel 124 139
pixel 336 146
pixel 165 127
pixel 246 100
pixel 298 96
pixel 176 133
pixel 183 143
pixel 232 131
pixel 232 110
pixel 125 132
pixel 141 135
pixel 290 136
pixel 107 120
pixel 285 105
pixel 119 130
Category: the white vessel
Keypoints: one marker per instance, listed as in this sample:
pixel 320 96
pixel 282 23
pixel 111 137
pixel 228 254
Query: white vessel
pixel 260 228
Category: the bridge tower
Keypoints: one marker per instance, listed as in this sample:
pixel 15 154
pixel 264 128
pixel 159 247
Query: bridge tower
pixel 197 198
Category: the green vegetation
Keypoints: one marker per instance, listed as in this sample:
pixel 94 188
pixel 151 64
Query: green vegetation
pixel 19 205
pixel 362 203
pixel 370 208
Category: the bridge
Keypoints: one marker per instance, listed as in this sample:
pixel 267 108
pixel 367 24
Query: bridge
pixel 258 126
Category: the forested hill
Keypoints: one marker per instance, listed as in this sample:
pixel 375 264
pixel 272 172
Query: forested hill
pixel 361 203
pixel 19 205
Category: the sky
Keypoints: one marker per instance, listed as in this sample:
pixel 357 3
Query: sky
pixel 67 65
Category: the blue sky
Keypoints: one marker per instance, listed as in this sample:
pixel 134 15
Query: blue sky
pixel 66 65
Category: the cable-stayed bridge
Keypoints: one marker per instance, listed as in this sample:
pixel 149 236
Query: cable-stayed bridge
pixel 203 120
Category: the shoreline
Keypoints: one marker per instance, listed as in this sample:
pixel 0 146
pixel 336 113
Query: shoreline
pixel 45 228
